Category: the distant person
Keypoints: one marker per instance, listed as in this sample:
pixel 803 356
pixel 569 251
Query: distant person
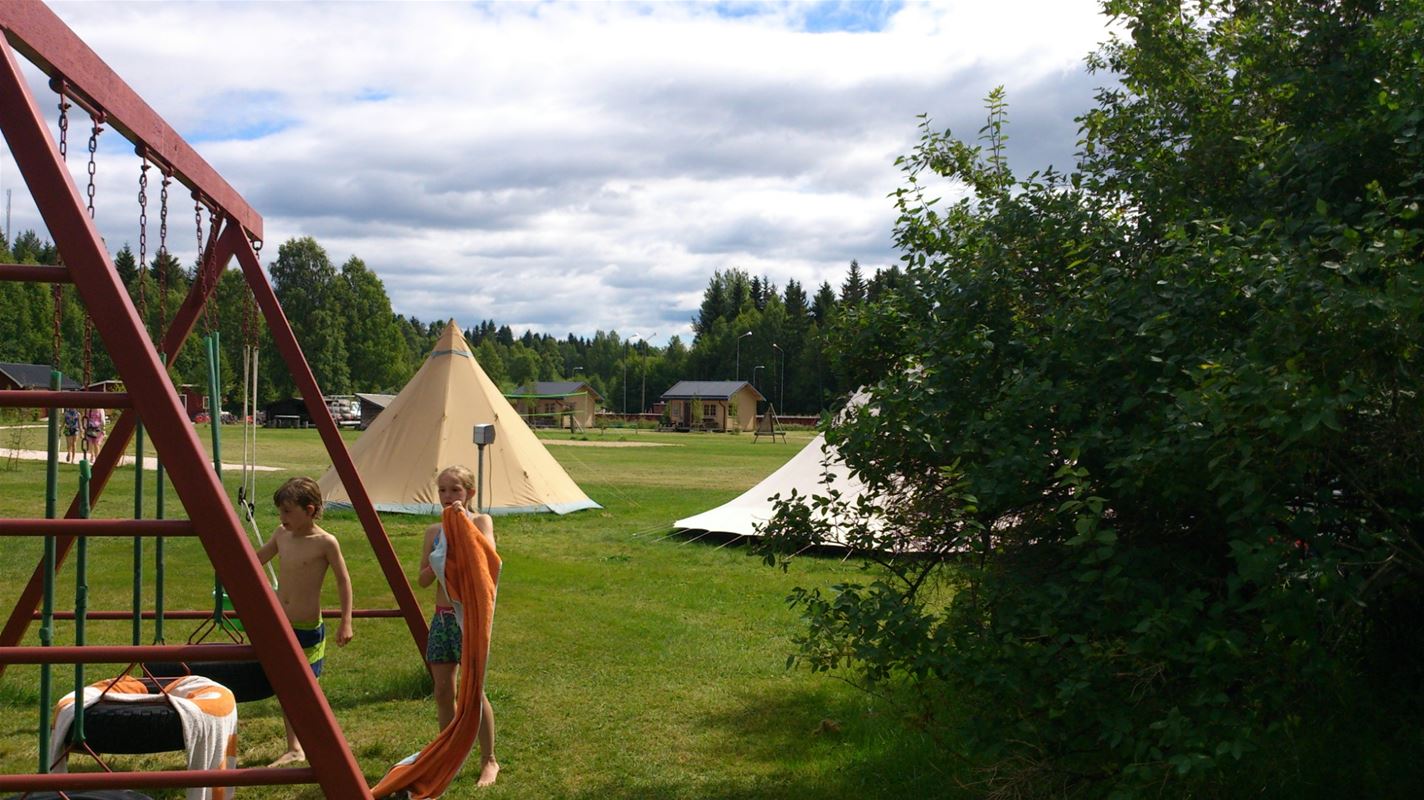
pixel 306 552
pixel 94 422
pixel 71 432
pixel 456 486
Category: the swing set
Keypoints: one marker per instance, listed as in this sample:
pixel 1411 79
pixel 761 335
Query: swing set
pixel 263 641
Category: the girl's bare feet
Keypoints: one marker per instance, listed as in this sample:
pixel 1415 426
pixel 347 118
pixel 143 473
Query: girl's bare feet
pixel 489 770
pixel 289 757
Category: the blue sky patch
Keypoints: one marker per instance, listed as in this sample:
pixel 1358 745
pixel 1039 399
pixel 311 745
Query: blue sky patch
pixel 241 116
pixel 852 16
pixel 821 16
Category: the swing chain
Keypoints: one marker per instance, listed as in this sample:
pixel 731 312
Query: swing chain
pixel 143 212
pixel 56 291
pixel 88 351
pixel 143 240
pixel 63 122
pixel 202 274
pixel 98 120
pixel 198 224
pixel 212 306
pixel 163 250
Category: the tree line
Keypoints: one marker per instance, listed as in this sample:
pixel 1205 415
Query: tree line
pixel 355 342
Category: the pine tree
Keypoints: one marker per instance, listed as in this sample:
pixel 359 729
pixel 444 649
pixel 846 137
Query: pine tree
pixel 823 306
pixel 853 290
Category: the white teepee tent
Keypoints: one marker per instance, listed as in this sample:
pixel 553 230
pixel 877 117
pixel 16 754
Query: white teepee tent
pixel 430 426
pixel 812 471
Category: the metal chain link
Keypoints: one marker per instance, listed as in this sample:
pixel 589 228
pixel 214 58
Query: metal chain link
pixel 250 310
pixel 88 351
pixel 211 307
pixel 163 251
pixel 95 129
pixel 202 272
pixel 143 241
pixel 63 123
pixel 143 212
pixel 98 122
pixel 56 291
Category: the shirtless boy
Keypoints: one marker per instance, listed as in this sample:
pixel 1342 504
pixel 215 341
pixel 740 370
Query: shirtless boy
pixel 306 552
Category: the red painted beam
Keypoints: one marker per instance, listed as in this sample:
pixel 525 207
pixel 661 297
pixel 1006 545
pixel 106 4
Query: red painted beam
pixel 46 398
pixel 112 451
pixel 34 273
pixel 96 527
pixel 155 399
pixel 127 654
pixel 44 39
pixel 291 351
pixel 169 779
pixel 195 613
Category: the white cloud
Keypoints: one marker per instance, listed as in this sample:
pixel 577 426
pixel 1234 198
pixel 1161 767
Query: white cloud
pixel 575 166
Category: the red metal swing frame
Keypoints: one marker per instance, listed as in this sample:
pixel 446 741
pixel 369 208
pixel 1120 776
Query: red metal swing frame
pixel 34 31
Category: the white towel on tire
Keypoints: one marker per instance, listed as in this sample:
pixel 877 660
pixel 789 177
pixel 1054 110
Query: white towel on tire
pixel 205 708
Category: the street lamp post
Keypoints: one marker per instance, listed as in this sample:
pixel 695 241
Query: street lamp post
pixel 739 353
pixel 754 386
pixel 643 397
pixel 781 379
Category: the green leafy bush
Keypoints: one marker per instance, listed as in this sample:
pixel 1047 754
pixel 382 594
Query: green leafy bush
pixel 1152 427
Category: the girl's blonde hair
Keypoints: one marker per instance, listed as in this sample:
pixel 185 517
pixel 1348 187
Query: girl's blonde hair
pixel 462 474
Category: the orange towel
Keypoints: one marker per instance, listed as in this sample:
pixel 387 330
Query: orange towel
pixel 471 578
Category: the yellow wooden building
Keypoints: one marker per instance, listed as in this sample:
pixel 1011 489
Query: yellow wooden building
pixel 550 404
pixel 712 405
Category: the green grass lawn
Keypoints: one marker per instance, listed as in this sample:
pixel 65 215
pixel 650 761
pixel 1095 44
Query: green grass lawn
pixel 626 662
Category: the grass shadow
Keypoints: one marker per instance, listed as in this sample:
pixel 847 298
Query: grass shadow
pixel 804 743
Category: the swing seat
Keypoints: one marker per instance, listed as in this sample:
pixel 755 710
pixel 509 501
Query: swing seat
pixel 117 728
pixel 245 679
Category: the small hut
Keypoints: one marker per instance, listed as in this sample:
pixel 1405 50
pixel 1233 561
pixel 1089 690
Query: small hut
pixel 32 376
pixel 545 404
pixel 712 405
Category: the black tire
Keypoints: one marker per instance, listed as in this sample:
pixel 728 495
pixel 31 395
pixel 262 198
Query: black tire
pixel 245 679
pixel 119 728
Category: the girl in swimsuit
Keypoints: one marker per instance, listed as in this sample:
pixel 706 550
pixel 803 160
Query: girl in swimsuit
pixel 456 486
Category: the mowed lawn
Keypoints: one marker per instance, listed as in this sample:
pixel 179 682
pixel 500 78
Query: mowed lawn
pixel 627 662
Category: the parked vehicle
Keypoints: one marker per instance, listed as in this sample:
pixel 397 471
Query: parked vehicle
pixel 345 409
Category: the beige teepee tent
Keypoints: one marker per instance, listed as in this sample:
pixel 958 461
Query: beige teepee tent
pixel 430 426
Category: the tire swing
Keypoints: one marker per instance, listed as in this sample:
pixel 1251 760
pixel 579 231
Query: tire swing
pixel 121 728
pixel 107 724
pixel 247 680
pixel 103 741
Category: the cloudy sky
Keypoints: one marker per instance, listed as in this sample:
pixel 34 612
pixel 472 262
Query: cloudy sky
pixel 573 167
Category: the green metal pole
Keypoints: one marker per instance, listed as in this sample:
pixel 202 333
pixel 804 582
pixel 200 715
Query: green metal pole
pixel 215 398
pixel 81 601
pixel 138 540
pixel 47 608
pixel 215 417
pixel 158 566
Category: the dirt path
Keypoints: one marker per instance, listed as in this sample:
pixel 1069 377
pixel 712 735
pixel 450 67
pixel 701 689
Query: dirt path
pixel 149 462
pixel 581 443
